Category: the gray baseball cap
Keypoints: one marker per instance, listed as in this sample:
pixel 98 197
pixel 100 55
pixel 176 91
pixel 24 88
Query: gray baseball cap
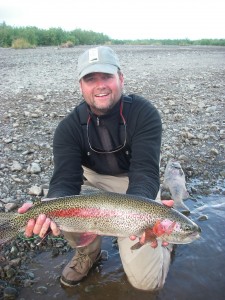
pixel 100 59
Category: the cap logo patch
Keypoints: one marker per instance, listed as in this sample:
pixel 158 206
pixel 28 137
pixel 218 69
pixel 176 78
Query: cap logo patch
pixel 93 55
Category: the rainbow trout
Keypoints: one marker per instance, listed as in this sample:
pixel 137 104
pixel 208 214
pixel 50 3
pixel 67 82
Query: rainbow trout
pixel 108 214
pixel 174 180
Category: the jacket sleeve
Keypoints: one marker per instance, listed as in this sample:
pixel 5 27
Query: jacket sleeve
pixel 68 174
pixel 143 173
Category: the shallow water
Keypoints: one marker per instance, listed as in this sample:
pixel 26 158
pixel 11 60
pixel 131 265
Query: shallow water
pixel 197 270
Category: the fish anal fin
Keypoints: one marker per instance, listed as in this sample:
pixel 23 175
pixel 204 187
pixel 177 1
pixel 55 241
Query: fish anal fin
pixel 136 246
pixel 147 237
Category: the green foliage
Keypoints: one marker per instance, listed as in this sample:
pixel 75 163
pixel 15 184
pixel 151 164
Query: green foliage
pixel 56 37
pixel 49 37
pixel 21 44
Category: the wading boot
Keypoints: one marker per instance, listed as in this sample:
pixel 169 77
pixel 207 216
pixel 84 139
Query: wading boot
pixel 85 258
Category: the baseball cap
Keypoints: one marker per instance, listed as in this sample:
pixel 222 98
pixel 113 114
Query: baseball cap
pixel 100 59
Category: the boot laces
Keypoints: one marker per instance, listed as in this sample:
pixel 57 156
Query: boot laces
pixel 81 261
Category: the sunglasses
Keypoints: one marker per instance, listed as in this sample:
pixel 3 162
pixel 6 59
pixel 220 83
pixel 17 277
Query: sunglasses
pixel 116 149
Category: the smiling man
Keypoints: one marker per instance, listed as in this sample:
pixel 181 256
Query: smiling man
pixel 101 91
pixel 110 141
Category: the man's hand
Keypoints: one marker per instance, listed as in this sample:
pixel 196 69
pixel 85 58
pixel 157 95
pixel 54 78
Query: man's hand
pixel 39 226
pixel 154 244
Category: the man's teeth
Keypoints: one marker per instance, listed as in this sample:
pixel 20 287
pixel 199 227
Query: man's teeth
pixel 101 95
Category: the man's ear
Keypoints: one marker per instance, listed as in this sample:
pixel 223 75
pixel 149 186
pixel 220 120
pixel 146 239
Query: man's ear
pixel 121 77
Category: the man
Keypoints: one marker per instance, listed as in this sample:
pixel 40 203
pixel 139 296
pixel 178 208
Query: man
pixel 113 142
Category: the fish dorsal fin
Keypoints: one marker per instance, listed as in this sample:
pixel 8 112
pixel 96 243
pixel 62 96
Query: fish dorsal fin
pixel 47 200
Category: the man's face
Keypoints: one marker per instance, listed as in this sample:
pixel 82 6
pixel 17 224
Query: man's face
pixel 102 91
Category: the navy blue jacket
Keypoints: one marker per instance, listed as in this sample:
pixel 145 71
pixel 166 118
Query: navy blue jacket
pixel 139 159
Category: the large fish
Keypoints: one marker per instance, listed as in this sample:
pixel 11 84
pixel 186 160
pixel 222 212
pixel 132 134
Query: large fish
pixel 174 180
pixel 108 214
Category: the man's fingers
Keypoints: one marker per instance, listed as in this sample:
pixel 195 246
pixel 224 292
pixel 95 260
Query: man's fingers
pixel 54 228
pixel 169 203
pixel 44 228
pixel 39 223
pixel 29 228
pixel 142 238
pixel 154 244
pixel 164 244
pixel 24 207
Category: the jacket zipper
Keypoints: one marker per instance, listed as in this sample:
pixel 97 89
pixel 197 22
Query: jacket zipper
pixel 97 121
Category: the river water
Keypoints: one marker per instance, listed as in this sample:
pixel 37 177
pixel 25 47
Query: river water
pixel 197 270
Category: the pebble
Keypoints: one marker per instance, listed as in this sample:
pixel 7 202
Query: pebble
pixel 10 206
pixel 222 173
pixel 104 255
pixel 214 151
pixel 7 140
pixel 10 272
pixel 15 262
pixel 183 158
pixel 89 288
pixel 35 190
pixel 41 290
pixel 34 168
pixel 203 218
pixel 16 179
pixel 10 293
pixel 16 166
pixel 211 109
pixel 55 252
pixel 222 134
pixel 40 97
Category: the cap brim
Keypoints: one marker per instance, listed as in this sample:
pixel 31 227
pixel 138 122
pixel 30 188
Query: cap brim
pixel 101 68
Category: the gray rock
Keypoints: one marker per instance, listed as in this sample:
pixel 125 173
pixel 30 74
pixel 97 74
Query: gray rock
pixel 34 168
pixel 16 166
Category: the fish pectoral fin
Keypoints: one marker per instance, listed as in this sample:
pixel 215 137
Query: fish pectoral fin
pixel 84 239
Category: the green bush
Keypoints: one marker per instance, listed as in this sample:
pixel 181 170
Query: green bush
pixel 21 44
pixel 67 44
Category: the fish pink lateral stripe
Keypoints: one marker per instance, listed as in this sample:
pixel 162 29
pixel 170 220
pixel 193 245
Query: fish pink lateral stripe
pixel 90 213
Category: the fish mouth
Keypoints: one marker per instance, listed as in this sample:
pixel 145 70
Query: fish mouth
pixel 194 235
pixel 190 237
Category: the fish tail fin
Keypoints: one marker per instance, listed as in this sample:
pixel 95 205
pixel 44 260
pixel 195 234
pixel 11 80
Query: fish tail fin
pixel 8 228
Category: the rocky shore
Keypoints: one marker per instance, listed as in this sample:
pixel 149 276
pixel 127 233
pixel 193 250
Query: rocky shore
pixel 38 88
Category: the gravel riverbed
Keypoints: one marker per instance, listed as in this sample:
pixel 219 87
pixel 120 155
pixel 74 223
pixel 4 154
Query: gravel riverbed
pixel 38 88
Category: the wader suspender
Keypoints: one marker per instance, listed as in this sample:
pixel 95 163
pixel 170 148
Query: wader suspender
pixel 83 115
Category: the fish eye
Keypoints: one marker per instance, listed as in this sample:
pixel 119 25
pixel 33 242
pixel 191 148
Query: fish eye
pixel 187 227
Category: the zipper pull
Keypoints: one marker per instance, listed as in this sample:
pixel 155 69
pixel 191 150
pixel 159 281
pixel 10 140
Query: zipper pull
pixel 97 121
